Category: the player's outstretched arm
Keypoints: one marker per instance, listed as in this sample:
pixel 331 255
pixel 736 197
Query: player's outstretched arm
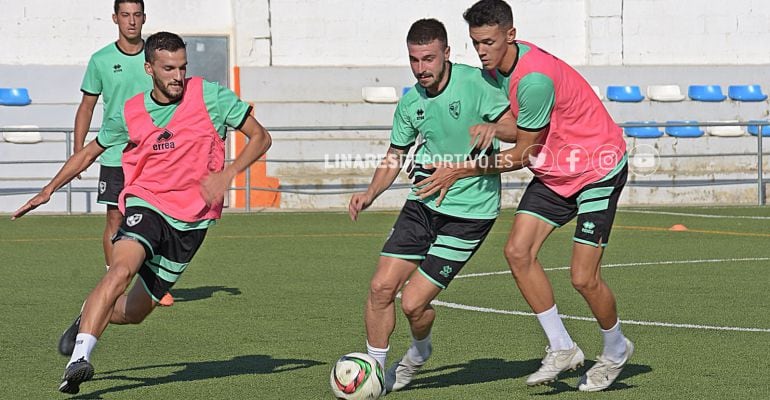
pixel 383 177
pixel 214 186
pixel 72 168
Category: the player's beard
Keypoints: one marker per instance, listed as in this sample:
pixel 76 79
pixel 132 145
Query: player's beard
pixel 166 89
pixel 437 79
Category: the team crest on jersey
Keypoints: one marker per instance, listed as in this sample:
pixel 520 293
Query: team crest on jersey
pixel 102 187
pixel 134 219
pixel 454 109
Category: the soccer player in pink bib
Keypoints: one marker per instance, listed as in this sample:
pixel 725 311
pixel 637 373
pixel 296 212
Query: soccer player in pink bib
pixel 175 180
pixel 577 154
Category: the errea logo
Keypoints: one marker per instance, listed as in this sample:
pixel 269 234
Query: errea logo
pixel 164 141
pixel 588 227
pixel 117 68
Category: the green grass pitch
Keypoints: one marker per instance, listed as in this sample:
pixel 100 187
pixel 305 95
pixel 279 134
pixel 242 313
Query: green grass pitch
pixel 273 299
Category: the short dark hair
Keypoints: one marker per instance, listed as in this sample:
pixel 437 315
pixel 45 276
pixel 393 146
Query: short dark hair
pixel 489 12
pixel 161 41
pixel 119 2
pixel 425 31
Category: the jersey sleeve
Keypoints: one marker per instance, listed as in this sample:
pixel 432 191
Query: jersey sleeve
pixel 92 81
pixel 225 108
pixel 114 131
pixel 536 97
pixel 402 134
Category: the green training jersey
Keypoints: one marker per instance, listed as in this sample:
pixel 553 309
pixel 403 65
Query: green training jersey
pixel 225 109
pixel 442 123
pixel 116 76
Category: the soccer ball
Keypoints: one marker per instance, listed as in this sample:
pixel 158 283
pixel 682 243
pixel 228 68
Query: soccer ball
pixel 357 376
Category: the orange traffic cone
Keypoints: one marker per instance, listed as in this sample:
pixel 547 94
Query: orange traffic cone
pixel 678 228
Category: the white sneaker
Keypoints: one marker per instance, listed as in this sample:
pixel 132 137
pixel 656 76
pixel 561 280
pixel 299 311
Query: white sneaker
pixel 400 374
pixel 555 362
pixel 604 372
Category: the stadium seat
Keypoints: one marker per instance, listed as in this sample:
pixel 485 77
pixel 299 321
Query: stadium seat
pixel 725 131
pixel 14 97
pixel 629 94
pixel 706 93
pixel 643 131
pixel 598 92
pixel 684 131
pixel 25 137
pixel 379 94
pixel 746 93
pixel 665 93
pixel 754 129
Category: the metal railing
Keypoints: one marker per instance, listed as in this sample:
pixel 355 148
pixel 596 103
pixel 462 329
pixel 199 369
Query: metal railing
pixel 344 189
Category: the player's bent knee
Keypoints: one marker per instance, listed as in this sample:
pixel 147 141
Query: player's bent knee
pixel 519 257
pixel 118 277
pixel 585 283
pixel 382 291
pixel 413 309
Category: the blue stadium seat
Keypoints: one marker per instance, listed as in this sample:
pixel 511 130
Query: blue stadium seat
pixel 628 94
pixel 406 89
pixel 706 93
pixel 746 93
pixel 14 97
pixel 643 131
pixel 754 129
pixel 684 131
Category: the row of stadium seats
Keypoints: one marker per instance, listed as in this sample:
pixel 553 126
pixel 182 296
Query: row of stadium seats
pixel 671 93
pixel 648 129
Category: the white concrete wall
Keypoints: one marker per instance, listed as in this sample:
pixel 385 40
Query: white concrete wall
pixel 371 33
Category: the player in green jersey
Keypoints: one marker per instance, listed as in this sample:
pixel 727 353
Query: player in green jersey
pixel 449 101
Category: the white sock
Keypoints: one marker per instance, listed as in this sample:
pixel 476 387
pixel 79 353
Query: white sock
pixel 107 267
pixel 84 345
pixel 381 355
pixel 420 350
pixel 554 329
pixel 614 343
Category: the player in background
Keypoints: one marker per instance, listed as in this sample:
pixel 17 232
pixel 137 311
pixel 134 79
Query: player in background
pixel 175 182
pixel 576 151
pixel 115 72
pixel 448 101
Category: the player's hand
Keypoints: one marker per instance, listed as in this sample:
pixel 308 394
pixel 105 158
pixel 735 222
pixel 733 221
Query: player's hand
pixel 438 182
pixel 358 203
pixel 482 135
pixel 213 188
pixel 33 203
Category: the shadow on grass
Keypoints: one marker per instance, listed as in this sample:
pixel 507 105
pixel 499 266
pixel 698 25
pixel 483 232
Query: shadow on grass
pixel 196 371
pixel 473 372
pixel 496 369
pixel 200 293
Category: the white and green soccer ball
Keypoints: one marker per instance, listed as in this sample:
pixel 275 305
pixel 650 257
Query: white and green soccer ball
pixel 357 376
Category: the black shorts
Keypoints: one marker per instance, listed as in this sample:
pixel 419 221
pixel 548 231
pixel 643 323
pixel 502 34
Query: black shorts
pixel 441 243
pixel 168 250
pixel 595 206
pixel 110 185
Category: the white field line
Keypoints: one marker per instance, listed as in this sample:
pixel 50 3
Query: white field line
pixel 636 264
pixel 695 215
pixel 591 319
